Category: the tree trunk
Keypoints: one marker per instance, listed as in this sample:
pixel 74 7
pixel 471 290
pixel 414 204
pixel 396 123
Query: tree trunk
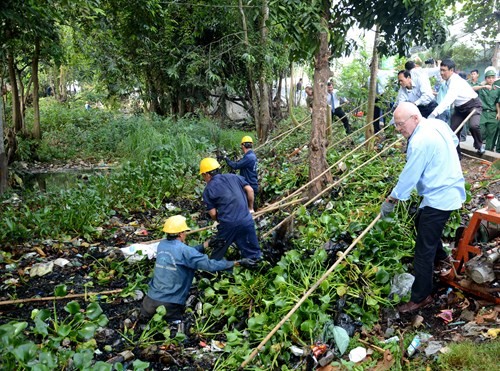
pixel 277 115
pixel 16 103
pixel 319 144
pixel 291 98
pixel 251 82
pixel 372 92
pixel 265 115
pixel 63 92
pixel 37 133
pixel 3 156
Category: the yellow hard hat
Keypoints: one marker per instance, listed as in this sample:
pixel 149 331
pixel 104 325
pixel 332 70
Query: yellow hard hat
pixel 175 224
pixel 246 139
pixel 208 164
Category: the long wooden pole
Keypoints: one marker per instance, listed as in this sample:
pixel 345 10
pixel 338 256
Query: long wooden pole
pixel 309 292
pixel 70 296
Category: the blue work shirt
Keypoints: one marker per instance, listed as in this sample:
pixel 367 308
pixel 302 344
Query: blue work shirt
pixel 225 193
pixel 432 167
pixel 174 270
pixel 248 168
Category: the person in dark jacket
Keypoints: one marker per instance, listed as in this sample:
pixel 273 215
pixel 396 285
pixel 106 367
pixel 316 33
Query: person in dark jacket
pixel 174 270
pixel 247 166
pixel 229 201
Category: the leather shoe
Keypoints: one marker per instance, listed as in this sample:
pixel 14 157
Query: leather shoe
pixel 412 306
pixel 481 150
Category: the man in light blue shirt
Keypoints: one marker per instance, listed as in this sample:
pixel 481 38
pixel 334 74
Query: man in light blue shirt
pixel 433 168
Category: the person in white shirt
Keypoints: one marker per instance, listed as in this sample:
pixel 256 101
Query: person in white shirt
pixel 465 99
pixel 335 105
pixel 416 88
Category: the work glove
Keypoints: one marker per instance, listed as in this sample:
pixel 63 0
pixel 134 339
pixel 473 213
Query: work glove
pixel 216 243
pixel 387 208
pixel 248 263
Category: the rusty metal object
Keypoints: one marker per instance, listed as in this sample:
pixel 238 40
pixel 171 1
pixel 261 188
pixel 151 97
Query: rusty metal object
pixel 466 252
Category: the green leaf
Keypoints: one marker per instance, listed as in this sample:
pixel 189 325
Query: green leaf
pixel 87 331
pixel 25 352
pixel 61 290
pixel 102 320
pixel 209 292
pixel 102 366
pixel 382 276
pixel 83 359
pixel 94 310
pixel 140 365
pixel 341 339
pixel 72 307
pixel 341 290
pixel 64 330
pixel 41 327
pixel 308 325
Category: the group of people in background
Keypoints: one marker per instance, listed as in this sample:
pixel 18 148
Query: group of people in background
pixel 452 99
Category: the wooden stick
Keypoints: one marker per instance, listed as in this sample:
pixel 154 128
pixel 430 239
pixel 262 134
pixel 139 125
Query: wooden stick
pixel 381 350
pixel 309 292
pixel 70 296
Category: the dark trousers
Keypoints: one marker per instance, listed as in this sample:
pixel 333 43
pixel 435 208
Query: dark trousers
pixel 243 235
pixel 377 112
pixel 429 223
pixel 175 312
pixel 425 111
pixel 342 116
pixel 255 194
pixel 460 113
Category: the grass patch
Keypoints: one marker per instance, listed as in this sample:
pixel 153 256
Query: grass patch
pixel 471 356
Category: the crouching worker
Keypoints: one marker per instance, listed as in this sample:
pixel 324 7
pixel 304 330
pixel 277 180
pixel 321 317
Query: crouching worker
pixel 174 270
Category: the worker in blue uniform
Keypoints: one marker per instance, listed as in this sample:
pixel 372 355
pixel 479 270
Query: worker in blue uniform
pixel 174 270
pixel 247 165
pixel 229 200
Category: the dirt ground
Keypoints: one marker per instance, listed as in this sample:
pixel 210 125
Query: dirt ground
pixel 454 315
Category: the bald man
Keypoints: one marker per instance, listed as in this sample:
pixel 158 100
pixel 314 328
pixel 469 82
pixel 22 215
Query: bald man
pixel 433 169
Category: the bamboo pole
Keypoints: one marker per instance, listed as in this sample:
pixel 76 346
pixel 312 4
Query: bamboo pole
pixel 361 128
pixel 277 205
pixel 463 122
pixel 328 169
pixel 306 120
pixel 71 296
pixel 332 185
pixel 309 292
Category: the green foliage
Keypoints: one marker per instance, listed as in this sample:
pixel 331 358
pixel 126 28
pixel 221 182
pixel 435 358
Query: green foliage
pixel 76 331
pixel 470 356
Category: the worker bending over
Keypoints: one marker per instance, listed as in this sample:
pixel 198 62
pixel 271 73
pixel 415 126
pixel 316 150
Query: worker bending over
pixel 174 270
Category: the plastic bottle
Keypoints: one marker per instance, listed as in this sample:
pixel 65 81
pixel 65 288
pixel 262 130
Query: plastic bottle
pixel 414 345
pixel 492 203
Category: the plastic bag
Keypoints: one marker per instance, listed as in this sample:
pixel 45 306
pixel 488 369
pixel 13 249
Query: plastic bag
pixel 401 284
pixel 139 251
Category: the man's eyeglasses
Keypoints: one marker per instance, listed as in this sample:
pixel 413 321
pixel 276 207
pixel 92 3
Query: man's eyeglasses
pixel 401 123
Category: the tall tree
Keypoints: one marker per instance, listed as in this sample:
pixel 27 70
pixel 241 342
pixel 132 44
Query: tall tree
pixel 400 24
